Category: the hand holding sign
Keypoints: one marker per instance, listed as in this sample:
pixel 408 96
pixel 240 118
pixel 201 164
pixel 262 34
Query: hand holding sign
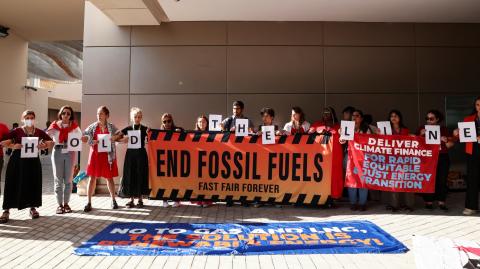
pixel 268 135
pixel 104 143
pixel 29 147
pixel 134 139
pixel 467 132
pixel 214 122
pixel 347 130
pixel 241 127
pixel 432 135
pixel 385 127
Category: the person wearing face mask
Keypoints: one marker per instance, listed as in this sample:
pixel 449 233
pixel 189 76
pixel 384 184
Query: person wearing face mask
pixel 135 168
pixel 63 161
pixel 435 117
pixel 23 180
pixel 101 164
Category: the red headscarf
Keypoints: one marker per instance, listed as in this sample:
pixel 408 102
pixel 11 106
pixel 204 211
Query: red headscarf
pixel 63 131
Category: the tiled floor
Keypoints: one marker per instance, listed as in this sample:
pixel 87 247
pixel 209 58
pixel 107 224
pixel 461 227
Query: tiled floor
pixel 49 241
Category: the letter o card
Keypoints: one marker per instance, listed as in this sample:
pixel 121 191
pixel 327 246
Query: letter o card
pixel 104 143
pixel 74 142
pixel 134 139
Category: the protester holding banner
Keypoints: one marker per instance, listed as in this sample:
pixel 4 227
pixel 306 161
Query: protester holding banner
pixel 399 200
pixel 202 126
pixel 23 178
pixel 435 117
pixel 297 123
pixel 472 150
pixel 169 125
pixel 228 124
pixel 135 168
pixel 329 125
pixel 102 161
pixel 358 196
pixel 63 160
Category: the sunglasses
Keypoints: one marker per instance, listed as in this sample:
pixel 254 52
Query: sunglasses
pixel 66 113
pixel 430 118
pixel 167 121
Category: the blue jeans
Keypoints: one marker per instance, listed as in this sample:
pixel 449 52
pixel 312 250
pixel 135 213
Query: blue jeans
pixel 360 198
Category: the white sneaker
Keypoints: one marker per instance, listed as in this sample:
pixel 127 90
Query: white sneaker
pixel 175 204
pixel 165 204
pixel 468 212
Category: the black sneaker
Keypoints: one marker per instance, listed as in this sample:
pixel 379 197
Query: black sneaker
pixel 87 208
pixel 114 204
pixel 229 204
pixel 443 207
pixel 429 206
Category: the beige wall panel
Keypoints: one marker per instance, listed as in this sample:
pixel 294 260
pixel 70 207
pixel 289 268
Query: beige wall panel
pixel 275 33
pixel 106 70
pixel 99 30
pixel 370 69
pixel 178 69
pixel 13 69
pixel 449 69
pixel 181 33
pixel 270 69
pixel 185 108
pixel 369 34
pixel 452 34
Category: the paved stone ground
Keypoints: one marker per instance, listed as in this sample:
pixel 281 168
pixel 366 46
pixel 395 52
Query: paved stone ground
pixel 48 242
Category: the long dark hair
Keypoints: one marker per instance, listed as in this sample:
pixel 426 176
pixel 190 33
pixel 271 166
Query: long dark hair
pixel 363 126
pixel 474 111
pixel 437 114
pixel 332 112
pixel 400 116
pixel 197 128
pixel 298 110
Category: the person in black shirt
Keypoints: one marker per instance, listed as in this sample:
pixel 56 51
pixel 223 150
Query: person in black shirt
pixel 228 124
pixel 135 169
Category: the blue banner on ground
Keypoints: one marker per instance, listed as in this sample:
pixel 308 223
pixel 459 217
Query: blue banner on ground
pixel 154 239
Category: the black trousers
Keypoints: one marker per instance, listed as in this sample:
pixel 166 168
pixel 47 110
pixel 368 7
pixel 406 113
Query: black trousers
pixel 473 178
pixel 443 167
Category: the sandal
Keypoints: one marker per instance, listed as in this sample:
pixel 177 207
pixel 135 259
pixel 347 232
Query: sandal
pixel 140 204
pixel 130 204
pixel 67 208
pixel 5 217
pixel 60 210
pixel 34 213
pixel 88 208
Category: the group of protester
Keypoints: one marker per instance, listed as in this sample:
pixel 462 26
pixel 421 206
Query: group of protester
pixel 23 181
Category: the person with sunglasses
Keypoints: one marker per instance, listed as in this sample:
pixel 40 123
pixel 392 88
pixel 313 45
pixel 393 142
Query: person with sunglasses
pixel 101 164
pixel 169 125
pixel 23 178
pixel 63 161
pixel 135 167
pixel 435 117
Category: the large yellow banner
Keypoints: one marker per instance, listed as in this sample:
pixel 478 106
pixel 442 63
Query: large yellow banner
pixel 219 166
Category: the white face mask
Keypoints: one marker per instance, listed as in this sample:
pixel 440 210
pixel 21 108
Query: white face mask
pixel 29 123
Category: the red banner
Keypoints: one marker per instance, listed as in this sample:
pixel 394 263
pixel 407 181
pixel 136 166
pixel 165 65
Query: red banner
pixel 392 163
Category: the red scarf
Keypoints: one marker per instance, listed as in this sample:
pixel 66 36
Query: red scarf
pixel 63 136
